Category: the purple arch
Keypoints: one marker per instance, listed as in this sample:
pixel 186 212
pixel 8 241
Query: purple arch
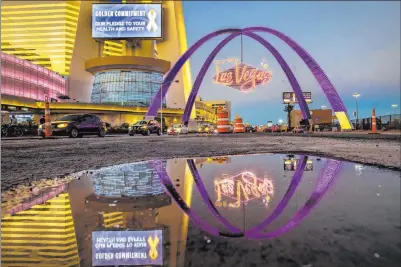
pixel 327 87
pixel 152 111
pixel 287 70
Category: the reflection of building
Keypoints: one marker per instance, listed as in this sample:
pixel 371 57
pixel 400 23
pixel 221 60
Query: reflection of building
pixel 41 236
pixel 212 160
pixel 131 180
pixel 215 104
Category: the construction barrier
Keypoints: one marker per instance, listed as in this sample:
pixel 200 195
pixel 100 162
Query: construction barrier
pixel 239 126
pixel 374 126
pixel 223 122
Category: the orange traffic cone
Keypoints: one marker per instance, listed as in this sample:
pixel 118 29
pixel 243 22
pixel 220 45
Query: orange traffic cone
pixel 374 126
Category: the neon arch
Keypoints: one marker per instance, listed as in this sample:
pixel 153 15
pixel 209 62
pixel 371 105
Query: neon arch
pixel 328 89
pixel 287 70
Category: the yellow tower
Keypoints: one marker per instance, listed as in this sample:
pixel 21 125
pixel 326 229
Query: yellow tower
pixel 40 31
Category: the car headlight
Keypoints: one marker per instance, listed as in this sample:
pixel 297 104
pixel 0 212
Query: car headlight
pixel 200 129
pixel 206 129
pixel 144 127
pixel 62 125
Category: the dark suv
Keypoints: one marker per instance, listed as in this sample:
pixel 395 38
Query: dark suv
pixel 145 127
pixel 76 125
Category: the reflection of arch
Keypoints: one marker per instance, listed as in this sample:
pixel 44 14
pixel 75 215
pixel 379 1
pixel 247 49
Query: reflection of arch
pixel 325 180
pixel 277 211
pixel 328 89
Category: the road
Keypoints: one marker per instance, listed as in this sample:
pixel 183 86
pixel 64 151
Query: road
pixel 25 160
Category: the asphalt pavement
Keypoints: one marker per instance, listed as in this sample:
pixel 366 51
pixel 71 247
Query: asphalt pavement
pixel 25 160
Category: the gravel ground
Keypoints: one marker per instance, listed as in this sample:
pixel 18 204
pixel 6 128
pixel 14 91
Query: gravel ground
pixel 26 160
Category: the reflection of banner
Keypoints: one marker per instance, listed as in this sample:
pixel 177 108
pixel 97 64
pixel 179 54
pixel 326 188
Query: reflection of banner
pixel 290 97
pixel 127 248
pixel 291 164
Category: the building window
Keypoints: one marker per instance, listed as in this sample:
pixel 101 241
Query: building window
pixel 126 88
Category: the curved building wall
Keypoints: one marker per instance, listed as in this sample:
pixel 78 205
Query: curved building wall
pixel 126 87
pixel 24 79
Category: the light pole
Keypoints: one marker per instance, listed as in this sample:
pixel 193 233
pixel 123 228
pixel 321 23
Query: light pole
pixel 161 103
pixel 356 95
pixel 394 106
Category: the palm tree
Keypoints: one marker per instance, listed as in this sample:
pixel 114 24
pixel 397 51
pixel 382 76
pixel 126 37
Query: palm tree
pixel 288 109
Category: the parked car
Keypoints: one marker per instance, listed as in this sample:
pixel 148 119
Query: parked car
pixel 205 128
pixel 76 125
pixel 177 129
pixel 298 130
pixel 123 128
pixel 145 127
pixel 283 128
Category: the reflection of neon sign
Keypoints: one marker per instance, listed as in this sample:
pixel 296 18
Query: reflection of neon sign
pixel 241 77
pixel 242 188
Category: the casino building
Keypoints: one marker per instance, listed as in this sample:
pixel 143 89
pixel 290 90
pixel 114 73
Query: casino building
pixel 47 48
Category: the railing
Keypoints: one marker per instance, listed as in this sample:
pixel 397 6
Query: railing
pixel 387 122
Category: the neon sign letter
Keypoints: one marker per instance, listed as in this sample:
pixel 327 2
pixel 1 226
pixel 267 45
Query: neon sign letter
pixel 241 77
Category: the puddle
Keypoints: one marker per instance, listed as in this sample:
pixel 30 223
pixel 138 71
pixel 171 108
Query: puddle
pixel 257 210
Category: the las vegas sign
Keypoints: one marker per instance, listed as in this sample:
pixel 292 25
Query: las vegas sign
pixel 241 77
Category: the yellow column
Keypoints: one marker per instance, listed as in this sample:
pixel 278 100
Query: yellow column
pixel 146 49
pixel 182 41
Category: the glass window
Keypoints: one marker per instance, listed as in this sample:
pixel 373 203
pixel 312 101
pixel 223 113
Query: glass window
pixel 126 87
pixel 69 118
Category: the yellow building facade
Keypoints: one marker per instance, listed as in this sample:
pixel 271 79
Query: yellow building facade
pixel 57 35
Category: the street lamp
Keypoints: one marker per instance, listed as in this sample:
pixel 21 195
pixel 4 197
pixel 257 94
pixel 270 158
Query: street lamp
pixel 356 95
pixel 161 102
pixel 394 106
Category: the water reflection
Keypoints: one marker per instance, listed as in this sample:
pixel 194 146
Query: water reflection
pixel 324 182
pixel 220 201
pixel 242 188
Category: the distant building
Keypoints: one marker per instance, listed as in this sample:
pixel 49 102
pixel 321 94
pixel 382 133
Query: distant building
pixel 323 117
pixel 215 104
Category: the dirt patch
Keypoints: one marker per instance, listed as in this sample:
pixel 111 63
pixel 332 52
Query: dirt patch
pixel 23 161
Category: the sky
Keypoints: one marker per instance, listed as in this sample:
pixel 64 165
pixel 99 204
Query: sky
pixel 357 44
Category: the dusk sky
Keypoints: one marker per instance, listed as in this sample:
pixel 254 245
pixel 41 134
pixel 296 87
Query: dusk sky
pixel 356 43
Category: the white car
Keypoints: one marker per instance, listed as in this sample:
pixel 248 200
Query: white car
pixel 178 129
